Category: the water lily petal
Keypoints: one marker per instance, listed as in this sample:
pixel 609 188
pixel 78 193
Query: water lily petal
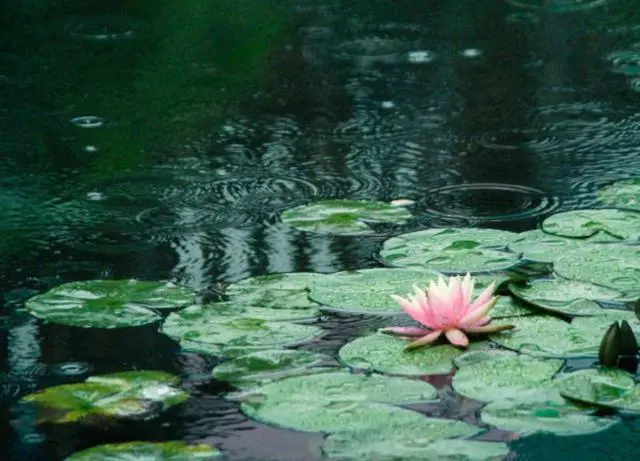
pixel 426 339
pixel 457 337
pixel 467 288
pixel 489 328
pixel 405 331
pixel 473 316
pixel 484 297
pixel 410 308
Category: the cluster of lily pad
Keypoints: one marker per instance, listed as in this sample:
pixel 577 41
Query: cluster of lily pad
pixel 561 287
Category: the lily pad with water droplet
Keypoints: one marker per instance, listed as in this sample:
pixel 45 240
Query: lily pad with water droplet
pixel 622 225
pixel 386 354
pixel 538 246
pixel 543 411
pixel 546 336
pixel 344 217
pixel 149 451
pixel 623 194
pixel 396 441
pixel 133 394
pixel 609 265
pixel 453 250
pixel 605 387
pixel 277 291
pixel 564 296
pixel 108 303
pixel 262 367
pixel 232 335
pixel 234 309
pixel 504 378
pixel 368 291
pixel 340 386
pixel 321 415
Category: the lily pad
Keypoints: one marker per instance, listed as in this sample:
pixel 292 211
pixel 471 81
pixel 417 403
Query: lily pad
pixel 344 217
pixel 108 303
pixel 340 386
pixel 607 222
pixel 386 354
pixel 623 194
pixel 452 250
pixel 277 291
pixel 538 246
pixel 234 309
pixel 367 291
pixel 395 441
pixel 149 451
pixel 543 411
pixel 504 378
pixel 474 357
pixel 609 265
pixel 568 297
pixel 119 395
pixel 262 367
pixel 324 416
pixel 580 338
pixel 507 307
pixel 605 387
pixel 235 334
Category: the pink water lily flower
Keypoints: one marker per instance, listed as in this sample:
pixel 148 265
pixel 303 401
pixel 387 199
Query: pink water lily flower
pixel 447 309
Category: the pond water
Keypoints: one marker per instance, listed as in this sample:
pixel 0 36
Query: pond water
pixel 162 141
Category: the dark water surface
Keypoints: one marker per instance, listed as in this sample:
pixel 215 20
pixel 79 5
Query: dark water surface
pixel 161 140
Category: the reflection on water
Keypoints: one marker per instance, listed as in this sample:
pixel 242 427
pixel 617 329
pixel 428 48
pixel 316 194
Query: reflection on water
pixel 154 141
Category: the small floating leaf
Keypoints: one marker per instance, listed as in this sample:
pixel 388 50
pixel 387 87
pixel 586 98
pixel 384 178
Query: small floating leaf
pixel 538 246
pixel 368 291
pixel 108 303
pixel 504 378
pixel 609 265
pixel 149 451
pixel 563 296
pixel 605 387
pixel 262 367
pixel 580 338
pixel 395 440
pixel 121 395
pixel 607 222
pixel 623 194
pixel 452 250
pixel 235 334
pixel 387 354
pixel 344 217
pixel 277 291
pixel 543 411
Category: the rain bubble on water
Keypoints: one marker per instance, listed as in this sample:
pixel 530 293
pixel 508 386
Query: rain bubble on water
pixel 421 56
pixel 71 369
pixel 88 121
pixel 471 53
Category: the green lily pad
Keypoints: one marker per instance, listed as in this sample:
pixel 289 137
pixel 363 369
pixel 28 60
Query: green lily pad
pixel 108 303
pixel 563 296
pixel 367 291
pixel 234 309
pixel 609 265
pixel 605 387
pixel 504 378
pixel 344 217
pixel 451 250
pixel 149 451
pixel 324 416
pixel 386 354
pixel 580 338
pixel 474 357
pixel 608 222
pixel 507 307
pixel 623 194
pixel 232 335
pixel 395 441
pixel 277 291
pixel 538 246
pixel 262 367
pixel 340 386
pixel 119 395
pixel 543 411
